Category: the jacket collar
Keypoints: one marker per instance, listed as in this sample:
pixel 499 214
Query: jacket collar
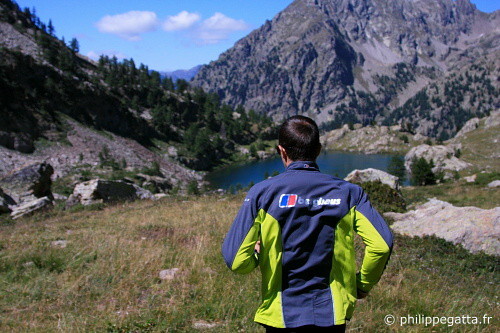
pixel 303 165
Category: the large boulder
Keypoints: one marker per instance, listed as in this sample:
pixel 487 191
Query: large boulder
pixel 475 228
pixel 98 191
pixel 444 157
pixel 29 183
pixel 27 208
pixel 373 175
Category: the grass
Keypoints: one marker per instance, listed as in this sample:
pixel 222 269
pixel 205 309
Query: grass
pixel 479 147
pixel 459 194
pixel 107 277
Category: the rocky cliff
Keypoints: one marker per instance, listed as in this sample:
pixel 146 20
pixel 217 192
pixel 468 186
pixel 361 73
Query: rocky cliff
pixel 357 61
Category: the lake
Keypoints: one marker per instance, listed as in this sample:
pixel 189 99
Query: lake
pixel 334 163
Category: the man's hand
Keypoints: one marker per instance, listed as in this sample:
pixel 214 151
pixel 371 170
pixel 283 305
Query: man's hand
pixel 257 247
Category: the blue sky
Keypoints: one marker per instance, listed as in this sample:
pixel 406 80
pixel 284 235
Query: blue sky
pixel 163 34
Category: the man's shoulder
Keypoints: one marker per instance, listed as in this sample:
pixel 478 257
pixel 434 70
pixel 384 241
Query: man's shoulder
pixel 265 185
pixel 319 177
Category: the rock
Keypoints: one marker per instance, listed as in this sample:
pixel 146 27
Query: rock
pixel 475 228
pixel 442 156
pixel 261 154
pixel 470 179
pixel 172 151
pixel 97 191
pixel 59 243
pixel 59 197
pixel 243 150
pixel 371 175
pixel 159 196
pixel 29 183
pixel 469 126
pixel 334 135
pixel 201 324
pixel 495 183
pixel 159 184
pixel 419 137
pixel 30 207
pixel 168 274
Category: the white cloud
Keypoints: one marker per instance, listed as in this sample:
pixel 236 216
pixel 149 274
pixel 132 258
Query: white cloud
pixel 129 25
pixel 110 53
pixel 218 28
pixel 181 21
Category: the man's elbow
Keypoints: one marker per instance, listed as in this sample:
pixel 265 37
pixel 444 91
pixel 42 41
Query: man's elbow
pixel 245 266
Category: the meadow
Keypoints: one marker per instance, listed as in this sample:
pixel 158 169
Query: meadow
pixel 103 274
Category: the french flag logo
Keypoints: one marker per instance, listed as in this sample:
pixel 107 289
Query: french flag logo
pixel 288 200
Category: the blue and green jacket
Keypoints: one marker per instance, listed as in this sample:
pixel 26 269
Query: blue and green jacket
pixel 306 221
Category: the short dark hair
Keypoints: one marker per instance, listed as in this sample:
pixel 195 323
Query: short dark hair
pixel 299 135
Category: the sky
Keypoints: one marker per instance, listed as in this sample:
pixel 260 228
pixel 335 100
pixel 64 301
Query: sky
pixel 166 35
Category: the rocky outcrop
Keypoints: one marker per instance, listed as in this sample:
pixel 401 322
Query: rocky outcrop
pixel 371 139
pixel 444 158
pixel 156 183
pixel 469 126
pixel 28 208
pixel 474 228
pixel 99 191
pixel 373 175
pixel 29 183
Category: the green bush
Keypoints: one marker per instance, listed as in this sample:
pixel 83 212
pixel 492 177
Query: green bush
pixel 193 188
pixel 384 198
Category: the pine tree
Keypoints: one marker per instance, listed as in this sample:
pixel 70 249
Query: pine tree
pixel 74 45
pixel 397 167
pixel 421 172
pixel 51 30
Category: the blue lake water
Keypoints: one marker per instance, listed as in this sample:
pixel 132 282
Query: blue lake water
pixel 334 163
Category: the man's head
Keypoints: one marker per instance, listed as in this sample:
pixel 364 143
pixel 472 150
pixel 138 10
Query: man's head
pixel 299 138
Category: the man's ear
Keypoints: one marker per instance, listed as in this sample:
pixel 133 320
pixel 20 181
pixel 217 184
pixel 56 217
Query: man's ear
pixel 283 154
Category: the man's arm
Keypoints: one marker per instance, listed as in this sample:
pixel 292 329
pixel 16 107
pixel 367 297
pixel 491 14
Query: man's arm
pixel 238 248
pixel 378 240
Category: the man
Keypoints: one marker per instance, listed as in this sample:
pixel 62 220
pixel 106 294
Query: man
pixel 299 228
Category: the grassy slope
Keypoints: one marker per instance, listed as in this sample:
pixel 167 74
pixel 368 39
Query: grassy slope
pixel 107 276
pixel 480 147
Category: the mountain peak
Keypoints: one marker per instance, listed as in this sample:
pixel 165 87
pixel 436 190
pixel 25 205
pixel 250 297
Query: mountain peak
pixel 353 59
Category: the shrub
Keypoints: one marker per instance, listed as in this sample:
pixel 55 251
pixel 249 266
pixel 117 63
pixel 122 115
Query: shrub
pixel 193 188
pixel 384 198
pixel 154 170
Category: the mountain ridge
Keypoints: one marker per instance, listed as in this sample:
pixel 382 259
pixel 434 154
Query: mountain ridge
pixel 318 55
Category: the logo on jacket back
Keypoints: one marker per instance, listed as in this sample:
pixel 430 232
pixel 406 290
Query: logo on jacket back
pixel 288 200
pixel 291 200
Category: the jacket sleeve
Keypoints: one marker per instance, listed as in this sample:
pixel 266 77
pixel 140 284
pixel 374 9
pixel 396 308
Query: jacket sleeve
pixel 238 248
pixel 378 240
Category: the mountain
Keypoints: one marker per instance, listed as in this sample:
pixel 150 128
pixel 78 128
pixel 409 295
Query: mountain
pixel 83 116
pixel 345 61
pixel 184 74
